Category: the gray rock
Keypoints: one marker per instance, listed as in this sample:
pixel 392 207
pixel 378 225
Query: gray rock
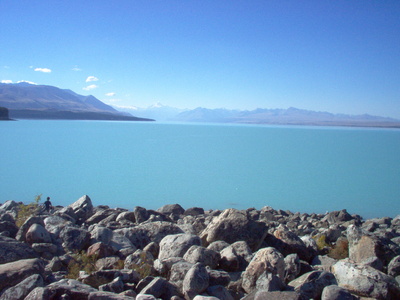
pixel 65 289
pixel 196 281
pixel 54 224
pixel 145 297
pixel 365 281
pixel 140 261
pixel 160 288
pixel 126 216
pixel 115 286
pixel 112 238
pixel 146 233
pixel 22 289
pixel 178 273
pixel 265 260
pixel 153 248
pixel 176 245
pixel 102 277
pixel 141 214
pixel 394 267
pixel 9 205
pixel 82 208
pixel 229 259
pixel 269 282
pixel 10 227
pixel 323 262
pixel 163 267
pixel 203 255
pixel 277 295
pixel 44 247
pixel 37 234
pixel 108 296
pixel 194 211
pixel 220 292
pixel 100 250
pixel 201 297
pixel 174 209
pixel 218 277
pixel 75 239
pixel 311 285
pixel 232 226
pixel 108 263
pixel 99 215
pixel 21 234
pixel 334 292
pixel 11 250
pixel 13 273
pixel 218 246
pixel 336 217
pixel 374 262
pixel 292 267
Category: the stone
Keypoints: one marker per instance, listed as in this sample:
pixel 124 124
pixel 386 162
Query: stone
pixel 311 285
pixel 220 292
pixel 218 277
pixel 200 297
pixel 365 281
pixel 323 262
pixel 21 234
pixel 11 250
pixel 115 286
pixel 126 216
pixel 203 255
pixel 276 295
pixel 232 226
pixel 10 227
pixel 66 289
pixel 112 238
pixel 163 267
pixel 82 208
pixel 176 245
pixel 269 282
pixel 160 288
pixel 37 234
pixel 265 260
pixel 22 289
pixel 74 239
pixel 178 273
pixel 196 281
pixel 99 216
pixel 54 224
pixel 100 250
pixel 334 292
pixel 394 267
pixel 194 211
pixel 153 248
pixel 292 267
pixel 218 245
pixel 102 277
pixel 146 233
pixel 109 263
pixel 140 261
pixel 336 217
pixel 108 296
pixel 14 272
pixel 229 259
pixel 141 214
pixel 174 209
pixel 145 297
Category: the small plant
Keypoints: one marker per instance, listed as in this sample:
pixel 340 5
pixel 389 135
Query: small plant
pixel 25 211
pixel 81 262
pixel 321 242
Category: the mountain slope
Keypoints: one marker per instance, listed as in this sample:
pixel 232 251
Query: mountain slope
pixel 41 101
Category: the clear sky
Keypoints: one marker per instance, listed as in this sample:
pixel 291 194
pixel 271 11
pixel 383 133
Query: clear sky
pixel 341 56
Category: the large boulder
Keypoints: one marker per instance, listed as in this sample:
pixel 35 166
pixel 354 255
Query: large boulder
pixel 311 285
pixel 112 238
pixel 334 292
pixel 54 224
pixel 174 209
pixel 37 234
pixel 146 233
pixel 14 272
pixel 82 209
pixel 63 289
pixel 200 254
pixel 196 281
pixel 10 227
pixel 75 239
pixel 178 273
pixel 21 234
pixel 394 267
pixel 266 260
pixel 232 226
pixel 22 289
pixel 11 250
pixel 176 245
pixel 337 217
pixel 365 281
pixel 160 288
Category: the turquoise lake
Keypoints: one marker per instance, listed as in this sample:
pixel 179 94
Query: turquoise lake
pixel 128 164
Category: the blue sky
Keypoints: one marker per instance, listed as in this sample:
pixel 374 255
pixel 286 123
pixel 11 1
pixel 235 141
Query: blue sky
pixel 339 56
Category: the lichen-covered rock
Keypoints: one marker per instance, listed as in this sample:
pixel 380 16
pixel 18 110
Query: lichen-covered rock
pixel 265 260
pixel 232 226
pixel 196 281
pixel 394 267
pixel 311 285
pixel 178 273
pixel 22 289
pixel 82 208
pixel 11 250
pixel 75 239
pixel 203 255
pixel 176 245
pixel 365 281
pixel 54 224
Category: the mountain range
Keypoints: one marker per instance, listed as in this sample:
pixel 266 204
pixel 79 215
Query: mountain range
pixel 290 116
pixel 29 101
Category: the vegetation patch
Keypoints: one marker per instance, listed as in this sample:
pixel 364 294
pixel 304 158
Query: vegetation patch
pixel 27 210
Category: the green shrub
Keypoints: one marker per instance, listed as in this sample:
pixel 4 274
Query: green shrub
pixel 27 210
pixel 81 262
pixel 321 241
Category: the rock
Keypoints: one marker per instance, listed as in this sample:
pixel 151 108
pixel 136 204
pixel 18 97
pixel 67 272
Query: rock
pixel 196 281
pixel 115 286
pixel 145 297
pixel 37 234
pixel 99 216
pixel 109 263
pixel 44 247
pixel 153 248
pixel 65 289
pixel 163 267
pixel 200 297
pixel 284 295
pixel 160 288
pixel 21 234
pixel 9 205
pixel 323 262
pixel 14 272
pixel 269 282
pixel 178 273
pixel 334 292
pixel 112 238
pixel 218 246
pixel 293 244
pixel 229 260
pixel 194 211
pixel 374 262
pixel 146 233
pixel 141 214
pixel 74 239
pixel 140 261
pixel 311 285
pixel 176 245
pixel 102 277
pixel 394 267
pixel 365 281
pixel 292 267
pixel 232 226
pixel 126 216
pixel 10 227
pixel 82 208
pixel 174 209
pixel 218 277
pixel 54 224
pixel 220 292
pixel 100 250
pixel 203 255
pixel 265 260
pixel 337 217
pixel 108 296
pixel 11 250
pixel 22 289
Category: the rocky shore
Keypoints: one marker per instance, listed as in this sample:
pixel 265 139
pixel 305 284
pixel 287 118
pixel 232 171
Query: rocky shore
pixel 86 252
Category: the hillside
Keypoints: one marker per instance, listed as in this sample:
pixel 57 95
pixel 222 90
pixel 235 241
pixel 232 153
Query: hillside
pixel 4 114
pixel 28 101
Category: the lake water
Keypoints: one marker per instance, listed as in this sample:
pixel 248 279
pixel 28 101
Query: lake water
pixel 128 164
